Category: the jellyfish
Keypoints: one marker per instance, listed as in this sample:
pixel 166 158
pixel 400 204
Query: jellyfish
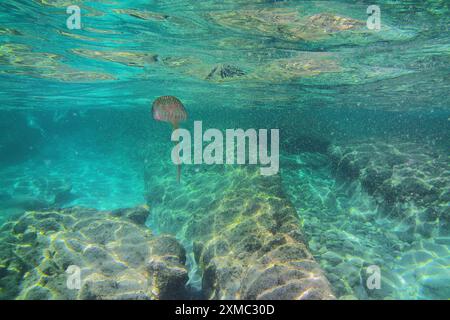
pixel 170 109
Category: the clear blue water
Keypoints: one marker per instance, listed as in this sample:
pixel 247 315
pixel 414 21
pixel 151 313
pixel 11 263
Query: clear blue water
pixel 75 118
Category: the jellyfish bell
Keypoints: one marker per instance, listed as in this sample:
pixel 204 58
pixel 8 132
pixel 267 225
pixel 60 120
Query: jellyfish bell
pixel 170 109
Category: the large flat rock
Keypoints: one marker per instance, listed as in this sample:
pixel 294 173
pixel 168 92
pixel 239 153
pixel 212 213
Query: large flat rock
pixel 116 254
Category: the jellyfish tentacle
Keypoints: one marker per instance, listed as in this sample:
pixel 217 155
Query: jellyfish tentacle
pixel 175 127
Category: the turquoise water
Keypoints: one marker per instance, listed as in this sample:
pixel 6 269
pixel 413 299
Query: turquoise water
pixel 363 117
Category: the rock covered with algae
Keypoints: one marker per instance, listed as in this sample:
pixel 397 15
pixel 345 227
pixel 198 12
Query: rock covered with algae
pixel 58 3
pixel 9 32
pixel 142 14
pixel 285 23
pixel 300 65
pixel 313 23
pixel 224 71
pixel 23 60
pixel 247 239
pixel 197 68
pixel 304 64
pixel 117 255
pixel 129 58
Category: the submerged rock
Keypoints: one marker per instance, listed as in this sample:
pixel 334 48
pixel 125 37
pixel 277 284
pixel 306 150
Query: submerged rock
pixel 409 179
pixel 142 14
pixel 129 58
pixel 332 23
pixel 195 67
pixel 285 23
pixel 59 3
pixel 348 230
pixel 9 32
pixel 246 236
pixel 301 65
pixel 27 62
pixel 304 64
pixel 224 72
pixel 116 254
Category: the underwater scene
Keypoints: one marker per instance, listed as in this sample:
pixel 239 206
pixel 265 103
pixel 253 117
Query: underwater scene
pixel 224 149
